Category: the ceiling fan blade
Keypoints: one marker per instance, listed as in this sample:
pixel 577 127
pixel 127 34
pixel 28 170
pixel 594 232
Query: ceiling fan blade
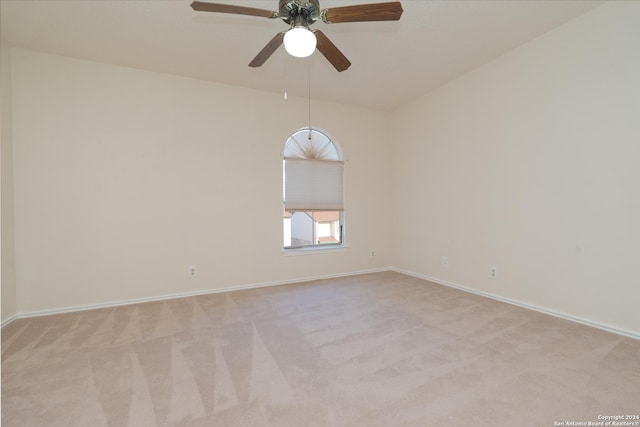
pixel 267 51
pixel 331 52
pixel 391 11
pixel 228 8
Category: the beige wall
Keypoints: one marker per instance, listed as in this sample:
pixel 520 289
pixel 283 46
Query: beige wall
pixel 528 163
pixel 531 163
pixel 6 169
pixel 123 177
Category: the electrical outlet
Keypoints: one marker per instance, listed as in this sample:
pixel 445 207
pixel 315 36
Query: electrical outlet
pixel 193 272
pixel 373 253
pixel 493 272
pixel 445 262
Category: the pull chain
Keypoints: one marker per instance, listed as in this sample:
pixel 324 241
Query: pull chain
pixel 286 76
pixel 309 103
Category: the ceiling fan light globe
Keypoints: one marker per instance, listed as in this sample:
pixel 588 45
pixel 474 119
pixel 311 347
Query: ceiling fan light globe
pixel 300 42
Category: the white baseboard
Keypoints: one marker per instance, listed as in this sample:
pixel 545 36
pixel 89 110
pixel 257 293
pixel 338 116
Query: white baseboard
pixel 8 320
pixel 605 327
pixel 73 309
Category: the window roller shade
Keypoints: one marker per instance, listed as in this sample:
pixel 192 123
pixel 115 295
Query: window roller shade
pixel 313 185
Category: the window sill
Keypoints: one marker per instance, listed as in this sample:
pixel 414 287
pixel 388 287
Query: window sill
pixel 313 250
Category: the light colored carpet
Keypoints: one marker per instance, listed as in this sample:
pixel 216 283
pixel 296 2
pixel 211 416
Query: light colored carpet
pixel 380 349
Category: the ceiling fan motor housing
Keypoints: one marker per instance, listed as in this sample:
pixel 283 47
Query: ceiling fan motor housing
pixel 299 12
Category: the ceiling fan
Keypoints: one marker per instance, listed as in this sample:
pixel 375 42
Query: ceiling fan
pixel 300 14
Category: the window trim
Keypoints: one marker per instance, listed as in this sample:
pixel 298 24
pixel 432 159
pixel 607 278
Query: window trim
pixel 326 247
pixel 314 250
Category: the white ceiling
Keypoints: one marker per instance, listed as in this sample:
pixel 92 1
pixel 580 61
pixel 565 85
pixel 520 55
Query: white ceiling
pixel 393 62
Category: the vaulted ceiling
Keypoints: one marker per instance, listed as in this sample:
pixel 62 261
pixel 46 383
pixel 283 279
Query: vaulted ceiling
pixel 393 62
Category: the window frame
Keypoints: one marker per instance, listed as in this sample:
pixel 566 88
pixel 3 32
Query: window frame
pixel 315 247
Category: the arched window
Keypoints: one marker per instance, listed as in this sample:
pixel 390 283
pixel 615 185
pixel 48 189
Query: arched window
pixel 313 191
